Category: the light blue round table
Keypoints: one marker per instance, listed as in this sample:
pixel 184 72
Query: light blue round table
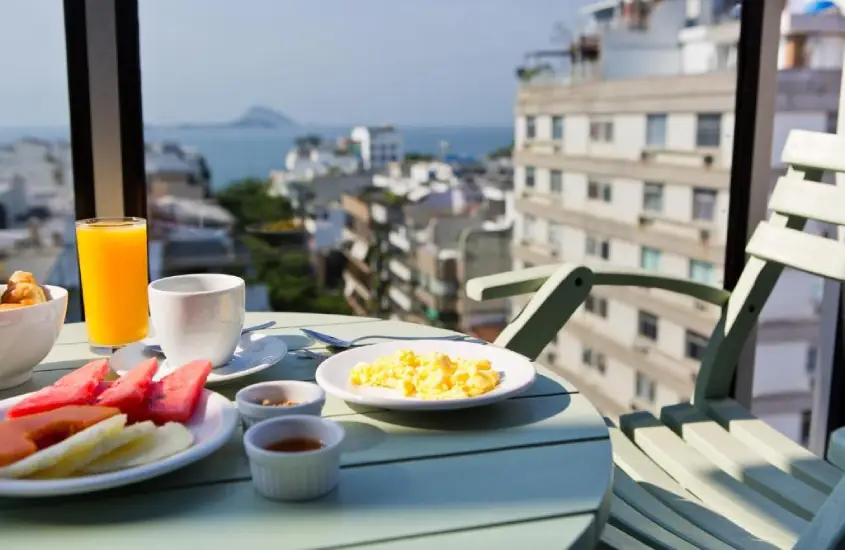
pixel 531 472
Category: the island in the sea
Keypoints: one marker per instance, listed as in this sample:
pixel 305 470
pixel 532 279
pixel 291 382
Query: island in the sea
pixel 254 117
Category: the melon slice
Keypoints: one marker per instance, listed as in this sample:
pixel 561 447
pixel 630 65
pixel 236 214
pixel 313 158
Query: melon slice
pixel 22 437
pixel 76 388
pixel 68 466
pixel 129 392
pixel 165 441
pixel 71 448
pixel 174 398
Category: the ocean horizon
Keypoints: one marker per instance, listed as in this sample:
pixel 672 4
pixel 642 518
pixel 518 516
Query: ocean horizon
pixel 236 153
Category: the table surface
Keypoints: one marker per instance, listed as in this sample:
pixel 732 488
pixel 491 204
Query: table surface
pixel 534 471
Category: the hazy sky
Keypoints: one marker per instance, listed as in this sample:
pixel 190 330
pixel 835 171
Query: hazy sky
pixel 428 62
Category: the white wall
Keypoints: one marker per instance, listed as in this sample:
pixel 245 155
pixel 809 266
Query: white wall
pixel 785 122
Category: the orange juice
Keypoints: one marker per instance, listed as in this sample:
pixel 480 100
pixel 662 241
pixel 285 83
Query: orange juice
pixel 113 267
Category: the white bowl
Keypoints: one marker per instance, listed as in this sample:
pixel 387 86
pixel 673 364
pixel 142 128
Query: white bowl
pixel 294 476
pixel 27 335
pixel 309 396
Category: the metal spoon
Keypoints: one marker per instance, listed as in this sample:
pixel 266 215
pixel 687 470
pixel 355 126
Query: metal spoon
pixel 345 344
pixel 155 348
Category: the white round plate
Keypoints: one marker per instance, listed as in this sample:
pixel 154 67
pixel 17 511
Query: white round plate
pixel 212 425
pixel 516 371
pixel 255 353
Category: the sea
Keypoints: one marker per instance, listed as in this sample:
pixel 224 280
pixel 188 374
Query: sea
pixel 236 153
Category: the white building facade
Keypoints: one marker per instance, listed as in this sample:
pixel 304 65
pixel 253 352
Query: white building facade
pixel 378 146
pixel 634 173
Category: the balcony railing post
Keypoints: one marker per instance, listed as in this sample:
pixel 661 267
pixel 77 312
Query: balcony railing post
pixel 751 170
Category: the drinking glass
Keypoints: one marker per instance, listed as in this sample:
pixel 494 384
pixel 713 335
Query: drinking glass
pixel 113 268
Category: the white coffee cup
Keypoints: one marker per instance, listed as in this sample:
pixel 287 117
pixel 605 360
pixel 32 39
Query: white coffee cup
pixel 198 316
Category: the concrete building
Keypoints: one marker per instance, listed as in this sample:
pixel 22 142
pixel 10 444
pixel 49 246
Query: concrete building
pixel 415 238
pixel 177 171
pixel 615 167
pixel 378 146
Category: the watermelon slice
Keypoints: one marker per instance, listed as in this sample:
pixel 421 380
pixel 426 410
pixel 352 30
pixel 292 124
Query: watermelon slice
pixel 174 398
pixel 101 387
pixel 129 392
pixel 76 388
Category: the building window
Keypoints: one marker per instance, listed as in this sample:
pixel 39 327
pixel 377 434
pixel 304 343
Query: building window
pixel 528 225
pixel 556 182
pixel 606 193
pixel 812 359
pixel 708 131
pixel 529 176
pixel 592 189
pixel 555 235
pixel 653 197
pixel 645 388
pixel 598 247
pixel 701 272
pixel 655 131
pixel 599 191
pixel 647 325
pixel 694 345
pixel 594 359
pixel 557 128
pixel 703 204
pixel 650 258
pixel 530 127
pixel 601 130
pixel 806 423
pixel 596 305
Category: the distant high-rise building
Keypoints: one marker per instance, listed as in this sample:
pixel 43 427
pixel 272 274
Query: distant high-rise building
pixel 622 158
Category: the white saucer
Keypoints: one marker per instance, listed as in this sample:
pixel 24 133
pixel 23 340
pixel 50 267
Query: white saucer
pixel 255 353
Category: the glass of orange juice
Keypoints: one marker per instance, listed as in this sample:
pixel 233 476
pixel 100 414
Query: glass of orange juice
pixel 113 267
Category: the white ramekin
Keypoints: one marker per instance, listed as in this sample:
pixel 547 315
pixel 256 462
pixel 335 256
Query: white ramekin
pixel 310 397
pixel 298 475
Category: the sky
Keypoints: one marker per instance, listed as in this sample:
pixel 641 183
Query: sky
pixel 333 62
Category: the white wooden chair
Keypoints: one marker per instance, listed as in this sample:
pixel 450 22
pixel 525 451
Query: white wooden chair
pixel 709 474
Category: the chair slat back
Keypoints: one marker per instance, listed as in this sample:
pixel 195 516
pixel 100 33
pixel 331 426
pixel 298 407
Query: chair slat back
pixel 776 243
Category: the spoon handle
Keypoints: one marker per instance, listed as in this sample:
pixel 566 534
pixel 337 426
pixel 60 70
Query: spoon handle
pixel 449 337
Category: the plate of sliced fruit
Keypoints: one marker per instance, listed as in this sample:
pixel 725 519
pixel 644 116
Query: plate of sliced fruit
pixel 85 433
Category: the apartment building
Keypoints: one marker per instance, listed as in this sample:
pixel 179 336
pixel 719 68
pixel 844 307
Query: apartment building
pixel 378 146
pixel 632 170
pixel 414 239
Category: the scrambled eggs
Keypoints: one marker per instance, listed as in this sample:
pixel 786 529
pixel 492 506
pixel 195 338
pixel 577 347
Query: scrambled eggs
pixel 433 376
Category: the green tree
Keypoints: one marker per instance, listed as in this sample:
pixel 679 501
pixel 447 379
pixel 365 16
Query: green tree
pixel 291 285
pixel 412 156
pixel 249 202
pixel 502 152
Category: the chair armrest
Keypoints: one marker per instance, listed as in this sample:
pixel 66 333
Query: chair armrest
pixel 556 299
pixel 524 281
pixel 510 283
pixel 647 279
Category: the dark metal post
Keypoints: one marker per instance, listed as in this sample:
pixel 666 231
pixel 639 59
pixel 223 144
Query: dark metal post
pixel 752 145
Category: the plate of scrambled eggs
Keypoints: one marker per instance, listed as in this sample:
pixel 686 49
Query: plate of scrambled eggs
pixel 425 375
